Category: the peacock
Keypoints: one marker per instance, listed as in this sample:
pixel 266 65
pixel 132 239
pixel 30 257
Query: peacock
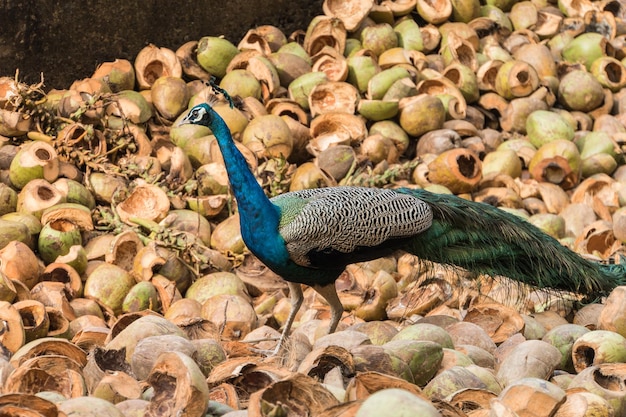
pixel 310 236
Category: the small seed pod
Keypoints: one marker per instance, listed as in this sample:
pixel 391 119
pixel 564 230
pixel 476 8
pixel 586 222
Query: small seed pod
pixel 551 224
pixel 149 349
pixel 486 75
pixel 396 57
pixel 294 47
pixel 588 316
pixel 503 321
pixel 89 405
pixel 74 213
pixel 600 163
pixel 400 89
pixel 382 289
pixel 378 332
pixel 8 291
pixel 438 141
pixel 174 268
pixel 8 199
pixel 58 272
pixel 515 113
pixel 13 338
pixel 619 224
pixel 208 206
pixel 371 358
pixel 393 131
pixel 408 404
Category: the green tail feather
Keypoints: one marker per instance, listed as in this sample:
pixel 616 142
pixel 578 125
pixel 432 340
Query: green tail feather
pixel 485 239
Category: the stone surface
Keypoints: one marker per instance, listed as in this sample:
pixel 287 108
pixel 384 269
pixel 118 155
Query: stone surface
pixel 67 40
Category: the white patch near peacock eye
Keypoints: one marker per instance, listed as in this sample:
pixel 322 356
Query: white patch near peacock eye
pixel 197 114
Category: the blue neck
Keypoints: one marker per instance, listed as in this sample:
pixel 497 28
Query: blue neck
pixel 259 218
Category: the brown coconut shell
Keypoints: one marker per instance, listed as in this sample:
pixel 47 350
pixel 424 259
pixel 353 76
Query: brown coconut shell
pixel 297 393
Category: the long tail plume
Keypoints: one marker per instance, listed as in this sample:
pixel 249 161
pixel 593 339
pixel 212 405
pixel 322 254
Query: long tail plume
pixel 485 239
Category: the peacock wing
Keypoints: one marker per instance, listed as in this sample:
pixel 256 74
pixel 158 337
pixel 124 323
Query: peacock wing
pixel 330 227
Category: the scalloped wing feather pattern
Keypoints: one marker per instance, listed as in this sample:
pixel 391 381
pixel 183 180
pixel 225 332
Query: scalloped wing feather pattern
pixel 342 219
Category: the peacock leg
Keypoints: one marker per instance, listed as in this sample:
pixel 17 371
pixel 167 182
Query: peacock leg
pixel 336 308
pixel 295 293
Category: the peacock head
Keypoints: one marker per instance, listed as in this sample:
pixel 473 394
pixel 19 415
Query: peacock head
pixel 201 114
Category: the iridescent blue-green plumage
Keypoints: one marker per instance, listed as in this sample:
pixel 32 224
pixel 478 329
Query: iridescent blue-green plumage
pixel 308 237
pixel 484 239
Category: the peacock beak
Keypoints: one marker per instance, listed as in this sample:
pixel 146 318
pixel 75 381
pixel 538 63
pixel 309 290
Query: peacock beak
pixel 184 121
